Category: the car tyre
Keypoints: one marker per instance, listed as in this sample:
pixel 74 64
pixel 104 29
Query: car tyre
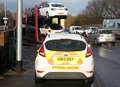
pixel 90 81
pixel 39 80
pixel 113 43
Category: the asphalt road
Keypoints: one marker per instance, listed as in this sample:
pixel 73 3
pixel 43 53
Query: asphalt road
pixel 107 67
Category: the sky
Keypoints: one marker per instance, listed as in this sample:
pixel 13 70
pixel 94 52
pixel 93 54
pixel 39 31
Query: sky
pixel 74 6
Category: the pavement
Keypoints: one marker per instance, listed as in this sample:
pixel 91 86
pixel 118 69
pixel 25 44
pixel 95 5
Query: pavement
pixel 1 77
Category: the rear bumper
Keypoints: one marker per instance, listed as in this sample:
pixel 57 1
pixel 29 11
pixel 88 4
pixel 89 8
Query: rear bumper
pixel 101 40
pixel 65 75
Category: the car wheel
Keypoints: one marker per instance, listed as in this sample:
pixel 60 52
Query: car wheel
pixel 90 81
pixel 113 43
pixel 39 80
pixel 87 83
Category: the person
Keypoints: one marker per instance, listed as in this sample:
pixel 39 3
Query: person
pixel 85 36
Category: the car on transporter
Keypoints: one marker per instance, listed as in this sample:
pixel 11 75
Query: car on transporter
pixel 64 56
pixel 76 29
pixel 50 29
pixel 50 9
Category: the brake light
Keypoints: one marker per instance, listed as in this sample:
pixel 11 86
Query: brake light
pixel 42 51
pixel 89 52
pixel 40 71
pixel 66 9
pixel 49 30
pixel 52 8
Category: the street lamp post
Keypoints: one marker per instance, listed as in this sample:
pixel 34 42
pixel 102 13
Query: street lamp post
pixel 19 36
pixel 5 14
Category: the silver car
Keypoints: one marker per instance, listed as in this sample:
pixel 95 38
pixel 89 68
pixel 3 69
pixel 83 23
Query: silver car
pixel 105 36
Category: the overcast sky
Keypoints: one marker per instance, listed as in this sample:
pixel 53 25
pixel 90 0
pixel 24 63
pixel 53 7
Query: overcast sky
pixel 74 6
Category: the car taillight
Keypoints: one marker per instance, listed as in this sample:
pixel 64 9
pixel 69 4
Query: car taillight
pixel 40 71
pixel 49 30
pixel 52 8
pixel 42 51
pixel 89 52
pixel 66 9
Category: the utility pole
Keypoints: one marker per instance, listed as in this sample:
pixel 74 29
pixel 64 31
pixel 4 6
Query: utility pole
pixel 5 14
pixel 19 36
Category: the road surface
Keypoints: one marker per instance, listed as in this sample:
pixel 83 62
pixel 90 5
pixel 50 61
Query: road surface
pixel 107 68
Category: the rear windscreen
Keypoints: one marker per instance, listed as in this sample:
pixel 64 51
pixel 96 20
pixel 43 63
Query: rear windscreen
pixel 65 45
pixel 78 28
pixel 55 27
pixel 105 32
pixel 57 5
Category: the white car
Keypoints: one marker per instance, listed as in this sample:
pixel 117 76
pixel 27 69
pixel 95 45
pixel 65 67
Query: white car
pixel 51 29
pixel 52 9
pixel 105 36
pixel 64 56
pixel 76 29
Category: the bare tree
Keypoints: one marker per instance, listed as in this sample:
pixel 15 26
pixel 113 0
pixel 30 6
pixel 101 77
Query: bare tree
pixel 9 15
pixel 1 9
pixel 103 8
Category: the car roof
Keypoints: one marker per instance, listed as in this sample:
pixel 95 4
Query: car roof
pixel 64 36
pixel 53 3
pixel 75 26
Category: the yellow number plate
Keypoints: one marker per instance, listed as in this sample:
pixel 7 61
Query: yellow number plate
pixel 65 59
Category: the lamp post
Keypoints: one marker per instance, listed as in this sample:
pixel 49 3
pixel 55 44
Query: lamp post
pixel 5 14
pixel 19 36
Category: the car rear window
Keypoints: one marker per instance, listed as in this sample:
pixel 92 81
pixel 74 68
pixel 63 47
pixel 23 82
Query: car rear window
pixel 55 27
pixel 57 5
pixel 106 32
pixel 65 45
pixel 78 28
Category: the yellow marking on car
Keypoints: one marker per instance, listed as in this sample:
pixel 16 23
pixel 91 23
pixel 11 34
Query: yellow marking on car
pixel 65 67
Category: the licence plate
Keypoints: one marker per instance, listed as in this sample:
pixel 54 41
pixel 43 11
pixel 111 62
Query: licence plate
pixel 65 59
pixel 108 39
pixel 61 13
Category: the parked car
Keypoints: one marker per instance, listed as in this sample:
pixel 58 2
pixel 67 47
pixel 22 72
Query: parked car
pixel 52 9
pixel 64 56
pixel 76 29
pixel 51 29
pixel 105 36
